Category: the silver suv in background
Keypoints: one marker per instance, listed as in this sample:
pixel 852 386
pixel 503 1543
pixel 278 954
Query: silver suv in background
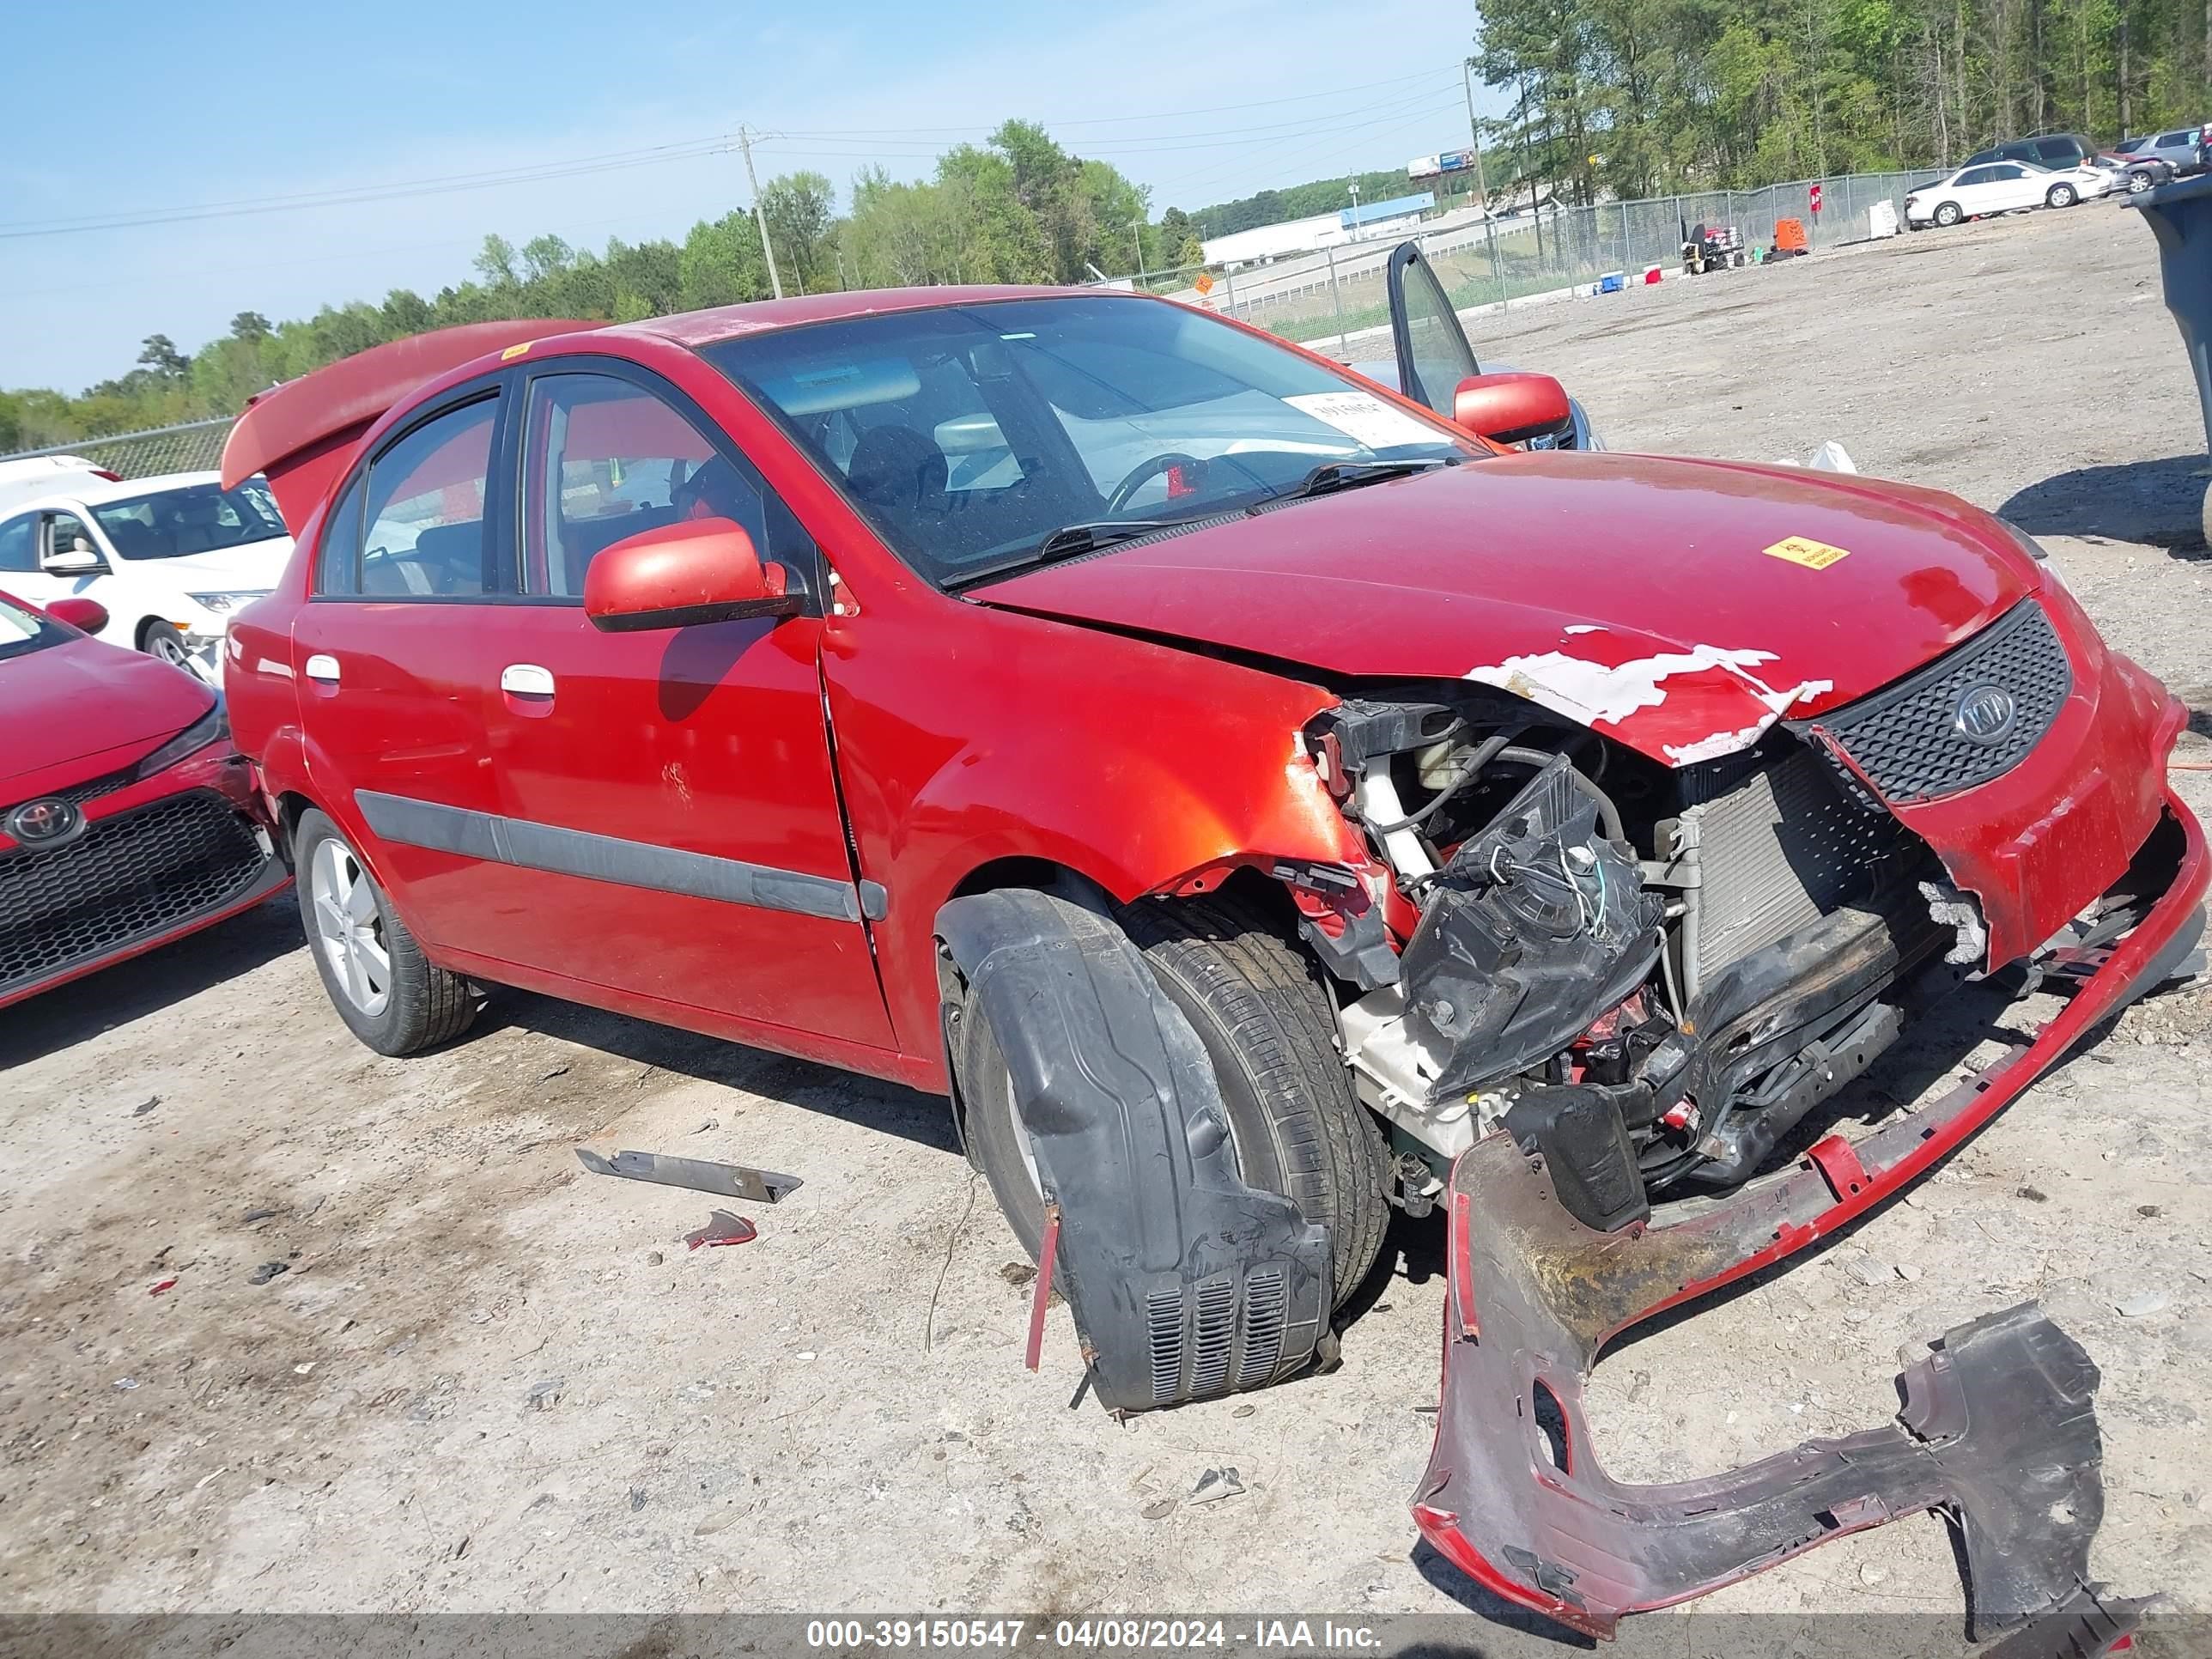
pixel 2157 157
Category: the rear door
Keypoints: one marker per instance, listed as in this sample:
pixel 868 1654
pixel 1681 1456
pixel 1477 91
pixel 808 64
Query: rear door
pixel 1433 349
pixel 674 787
pixel 389 655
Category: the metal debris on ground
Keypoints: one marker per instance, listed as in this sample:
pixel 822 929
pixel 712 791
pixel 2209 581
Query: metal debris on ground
pixel 723 1228
pixel 1216 1484
pixel 252 1216
pixel 699 1174
pixel 267 1270
pixel 145 1106
pixel 544 1393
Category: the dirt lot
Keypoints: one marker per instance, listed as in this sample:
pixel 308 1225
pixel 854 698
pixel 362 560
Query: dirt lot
pixel 487 1380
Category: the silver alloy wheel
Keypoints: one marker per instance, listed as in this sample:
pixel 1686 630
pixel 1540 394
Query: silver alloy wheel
pixel 349 926
pixel 2138 183
pixel 169 651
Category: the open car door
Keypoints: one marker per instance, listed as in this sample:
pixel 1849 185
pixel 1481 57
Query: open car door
pixel 1435 361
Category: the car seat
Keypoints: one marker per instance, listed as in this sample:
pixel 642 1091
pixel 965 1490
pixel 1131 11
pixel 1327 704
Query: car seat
pixel 896 468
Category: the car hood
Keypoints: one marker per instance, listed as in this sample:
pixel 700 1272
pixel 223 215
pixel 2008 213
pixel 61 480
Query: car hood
pixel 254 566
pixel 1682 606
pixel 83 698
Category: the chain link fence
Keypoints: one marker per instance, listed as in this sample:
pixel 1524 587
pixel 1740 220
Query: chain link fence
pixel 194 447
pixel 1330 291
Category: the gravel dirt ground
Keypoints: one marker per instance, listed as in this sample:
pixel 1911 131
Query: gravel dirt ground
pixel 484 1379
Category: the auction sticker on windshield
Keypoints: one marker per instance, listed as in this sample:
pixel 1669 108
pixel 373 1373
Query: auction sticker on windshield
pixel 1364 418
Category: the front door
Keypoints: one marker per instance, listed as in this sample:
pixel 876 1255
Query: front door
pixel 675 786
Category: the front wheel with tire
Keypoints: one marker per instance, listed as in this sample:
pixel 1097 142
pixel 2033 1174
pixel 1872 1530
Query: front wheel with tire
pixel 1261 1011
pixel 1947 214
pixel 391 996
pixel 2060 196
pixel 160 639
pixel 2139 182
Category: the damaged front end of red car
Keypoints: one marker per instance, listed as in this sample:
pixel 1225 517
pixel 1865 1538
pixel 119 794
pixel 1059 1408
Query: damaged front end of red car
pixel 2073 856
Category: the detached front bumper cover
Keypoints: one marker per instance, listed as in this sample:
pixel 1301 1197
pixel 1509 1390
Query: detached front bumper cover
pixel 1998 1431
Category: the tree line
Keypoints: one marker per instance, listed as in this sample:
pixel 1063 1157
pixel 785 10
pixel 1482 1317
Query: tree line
pixel 1629 98
pixel 1016 209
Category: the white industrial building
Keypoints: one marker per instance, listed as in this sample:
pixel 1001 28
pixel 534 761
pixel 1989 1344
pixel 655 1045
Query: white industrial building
pixel 1370 219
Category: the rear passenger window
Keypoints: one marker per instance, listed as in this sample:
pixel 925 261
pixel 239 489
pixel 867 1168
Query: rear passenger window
pixel 605 460
pixel 337 558
pixel 19 544
pixel 425 538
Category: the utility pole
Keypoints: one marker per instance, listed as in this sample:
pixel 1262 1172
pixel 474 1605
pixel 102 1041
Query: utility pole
pixel 1475 132
pixel 745 137
pixel 1354 234
pixel 1137 230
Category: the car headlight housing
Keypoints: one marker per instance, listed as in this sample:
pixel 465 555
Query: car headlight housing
pixel 213 727
pixel 223 604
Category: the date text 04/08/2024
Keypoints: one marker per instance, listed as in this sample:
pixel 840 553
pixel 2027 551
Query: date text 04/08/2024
pixel 1093 1635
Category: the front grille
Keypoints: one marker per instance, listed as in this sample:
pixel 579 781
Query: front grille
pixel 78 793
pixel 1778 846
pixel 1907 740
pixel 126 878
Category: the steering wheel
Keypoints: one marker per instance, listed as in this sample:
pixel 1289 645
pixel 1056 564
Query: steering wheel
pixel 1144 473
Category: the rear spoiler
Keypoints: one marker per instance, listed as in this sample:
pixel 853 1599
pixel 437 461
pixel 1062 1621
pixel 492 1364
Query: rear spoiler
pixel 302 434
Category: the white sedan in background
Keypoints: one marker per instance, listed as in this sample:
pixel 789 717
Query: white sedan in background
pixel 1992 187
pixel 171 558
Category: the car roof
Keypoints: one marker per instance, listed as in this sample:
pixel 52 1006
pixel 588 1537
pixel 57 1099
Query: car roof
pixel 702 328
pixel 85 490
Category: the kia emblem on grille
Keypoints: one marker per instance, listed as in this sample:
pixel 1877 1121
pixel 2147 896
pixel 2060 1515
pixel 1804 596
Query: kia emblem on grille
pixel 1984 713
pixel 44 823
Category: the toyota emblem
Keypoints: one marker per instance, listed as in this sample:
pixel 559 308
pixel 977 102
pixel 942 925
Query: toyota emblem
pixel 45 823
pixel 1984 713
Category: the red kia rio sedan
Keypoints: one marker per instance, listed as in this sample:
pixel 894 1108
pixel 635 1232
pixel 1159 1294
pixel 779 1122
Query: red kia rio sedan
pixel 127 819
pixel 1248 791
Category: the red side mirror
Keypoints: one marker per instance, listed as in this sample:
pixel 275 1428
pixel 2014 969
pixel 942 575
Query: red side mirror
pixel 1510 407
pixel 703 571
pixel 90 615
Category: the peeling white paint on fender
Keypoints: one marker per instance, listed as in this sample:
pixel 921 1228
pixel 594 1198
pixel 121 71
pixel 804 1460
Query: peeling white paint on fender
pixel 1583 628
pixel 1720 744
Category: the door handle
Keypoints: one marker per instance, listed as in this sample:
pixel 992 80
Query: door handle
pixel 526 679
pixel 322 669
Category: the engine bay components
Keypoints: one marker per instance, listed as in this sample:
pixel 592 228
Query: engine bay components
pixel 1535 927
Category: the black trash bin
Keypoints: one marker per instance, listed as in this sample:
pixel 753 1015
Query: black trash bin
pixel 2180 216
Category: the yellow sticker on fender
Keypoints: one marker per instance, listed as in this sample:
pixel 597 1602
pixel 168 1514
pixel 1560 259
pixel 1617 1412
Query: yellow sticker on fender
pixel 1803 550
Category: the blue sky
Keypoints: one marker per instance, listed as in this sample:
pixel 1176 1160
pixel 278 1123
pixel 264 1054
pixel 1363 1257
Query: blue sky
pixel 229 102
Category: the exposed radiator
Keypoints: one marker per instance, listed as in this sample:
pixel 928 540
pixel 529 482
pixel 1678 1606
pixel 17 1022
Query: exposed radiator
pixel 1778 846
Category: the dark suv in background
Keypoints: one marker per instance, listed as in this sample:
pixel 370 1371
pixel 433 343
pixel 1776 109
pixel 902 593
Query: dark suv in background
pixel 2050 149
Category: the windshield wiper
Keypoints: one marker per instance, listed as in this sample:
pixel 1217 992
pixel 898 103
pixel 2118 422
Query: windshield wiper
pixel 1069 539
pixel 1331 476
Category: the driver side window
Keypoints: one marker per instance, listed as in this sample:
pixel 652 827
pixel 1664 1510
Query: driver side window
pixel 19 550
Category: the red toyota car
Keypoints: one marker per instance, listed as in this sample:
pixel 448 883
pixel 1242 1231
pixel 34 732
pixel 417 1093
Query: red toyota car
pixel 127 819
pixel 1249 792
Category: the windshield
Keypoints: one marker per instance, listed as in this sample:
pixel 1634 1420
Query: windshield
pixel 973 433
pixel 23 631
pixel 193 519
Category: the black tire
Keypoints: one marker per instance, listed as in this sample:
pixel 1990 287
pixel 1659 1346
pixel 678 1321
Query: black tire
pixel 423 1005
pixel 1947 214
pixel 1260 1008
pixel 160 639
pixel 2060 196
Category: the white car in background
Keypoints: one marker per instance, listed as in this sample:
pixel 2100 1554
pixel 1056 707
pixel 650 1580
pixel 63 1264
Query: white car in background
pixel 1991 187
pixel 172 558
